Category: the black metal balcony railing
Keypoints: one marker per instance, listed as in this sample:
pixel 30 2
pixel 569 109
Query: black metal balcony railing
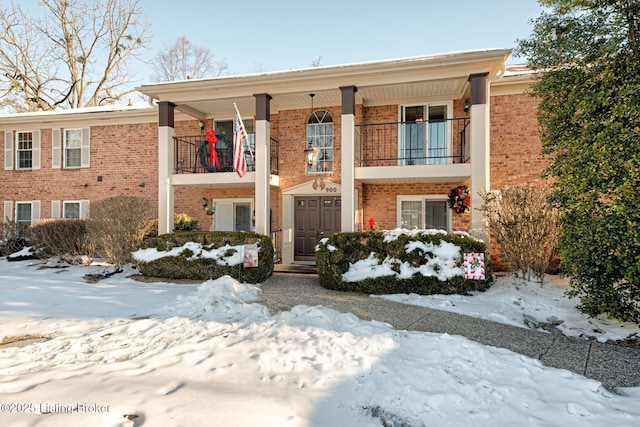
pixel 192 154
pixel 413 143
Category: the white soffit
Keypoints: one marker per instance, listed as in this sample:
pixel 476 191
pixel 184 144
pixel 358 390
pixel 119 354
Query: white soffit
pixel 427 76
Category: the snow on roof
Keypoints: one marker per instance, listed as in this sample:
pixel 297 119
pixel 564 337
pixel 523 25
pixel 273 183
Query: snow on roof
pixel 113 108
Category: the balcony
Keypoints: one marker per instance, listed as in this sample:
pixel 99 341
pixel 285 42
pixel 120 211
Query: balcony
pixel 192 155
pixel 405 152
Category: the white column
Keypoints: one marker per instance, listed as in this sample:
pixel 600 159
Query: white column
pixel 166 162
pixel 263 164
pixel 348 144
pixel 480 152
pixel 287 229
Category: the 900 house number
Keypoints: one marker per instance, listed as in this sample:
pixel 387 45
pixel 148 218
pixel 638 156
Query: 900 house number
pixel 331 189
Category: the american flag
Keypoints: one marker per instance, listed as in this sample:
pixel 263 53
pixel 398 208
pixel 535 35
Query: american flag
pixel 239 135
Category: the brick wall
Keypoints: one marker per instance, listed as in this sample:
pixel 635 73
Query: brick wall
pixel 380 202
pixel 515 141
pixel 289 127
pixel 124 156
pixel 515 147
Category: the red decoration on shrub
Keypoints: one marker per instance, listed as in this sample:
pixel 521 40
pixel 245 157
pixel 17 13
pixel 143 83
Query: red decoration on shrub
pixel 372 224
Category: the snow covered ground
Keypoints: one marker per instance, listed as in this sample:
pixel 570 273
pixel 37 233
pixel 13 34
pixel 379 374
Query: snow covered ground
pixel 511 300
pixel 126 353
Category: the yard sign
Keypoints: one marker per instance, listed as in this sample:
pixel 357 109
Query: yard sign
pixel 474 266
pixel 250 257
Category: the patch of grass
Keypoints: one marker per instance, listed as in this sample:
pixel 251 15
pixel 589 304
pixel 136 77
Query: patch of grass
pixel 18 338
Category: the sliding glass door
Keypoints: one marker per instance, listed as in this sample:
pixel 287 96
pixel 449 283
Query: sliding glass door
pixel 424 134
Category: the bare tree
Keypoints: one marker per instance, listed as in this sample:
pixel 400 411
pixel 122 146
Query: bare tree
pixel 71 55
pixel 185 60
pixel 257 67
pixel 316 62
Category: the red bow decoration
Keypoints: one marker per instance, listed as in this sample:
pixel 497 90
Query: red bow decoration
pixel 213 155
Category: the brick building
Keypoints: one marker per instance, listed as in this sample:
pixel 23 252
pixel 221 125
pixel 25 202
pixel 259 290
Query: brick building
pixel 388 141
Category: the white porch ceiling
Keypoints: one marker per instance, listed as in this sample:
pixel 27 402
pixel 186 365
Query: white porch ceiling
pixel 368 95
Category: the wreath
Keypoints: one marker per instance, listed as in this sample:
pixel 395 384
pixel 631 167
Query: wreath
pixel 203 155
pixel 460 199
pixel 207 153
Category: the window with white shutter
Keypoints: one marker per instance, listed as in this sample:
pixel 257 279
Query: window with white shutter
pixel 36 150
pixel 56 149
pixel 55 209
pixel 85 149
pixel 8 211
pixel 8 150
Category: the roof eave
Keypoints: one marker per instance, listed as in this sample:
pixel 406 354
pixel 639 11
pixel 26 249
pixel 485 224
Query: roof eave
pixel 361 74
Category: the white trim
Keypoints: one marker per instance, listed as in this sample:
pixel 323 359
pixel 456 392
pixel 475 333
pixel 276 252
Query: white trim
pixel 35 149
pixel 65 148
pixel 421 198
pixel 216 203
pixel 448 122
pixel 288 208
pixel 318 170
pixel 68 202
pixel 23 202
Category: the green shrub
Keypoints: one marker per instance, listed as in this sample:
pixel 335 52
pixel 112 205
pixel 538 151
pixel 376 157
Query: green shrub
pixel 335 254
pixel 183 266
pixel 64 237
pixel 184 222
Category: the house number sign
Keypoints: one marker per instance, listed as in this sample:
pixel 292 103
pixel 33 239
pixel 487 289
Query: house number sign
pixel 331 189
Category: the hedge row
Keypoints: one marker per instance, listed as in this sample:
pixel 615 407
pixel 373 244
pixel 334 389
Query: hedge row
pixel 336 254
pixel 189 265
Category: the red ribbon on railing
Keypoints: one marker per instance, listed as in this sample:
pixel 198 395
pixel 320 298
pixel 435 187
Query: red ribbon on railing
pixel 213 155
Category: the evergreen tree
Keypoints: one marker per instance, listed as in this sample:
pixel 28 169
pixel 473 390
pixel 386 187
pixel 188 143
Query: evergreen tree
pixel 588 54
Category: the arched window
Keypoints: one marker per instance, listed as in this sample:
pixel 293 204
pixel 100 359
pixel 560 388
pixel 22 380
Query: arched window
pixel 320 135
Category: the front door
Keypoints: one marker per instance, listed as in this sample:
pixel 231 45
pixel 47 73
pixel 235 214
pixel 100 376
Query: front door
pixel 315 217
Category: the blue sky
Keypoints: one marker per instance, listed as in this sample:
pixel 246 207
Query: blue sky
pixel 273 35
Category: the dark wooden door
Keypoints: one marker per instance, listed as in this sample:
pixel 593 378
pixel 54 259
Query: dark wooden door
pixel 315 217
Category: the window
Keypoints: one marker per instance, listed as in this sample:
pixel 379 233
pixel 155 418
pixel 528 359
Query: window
pixel 23 214
pixel 424 212
pixel 411 214
pixel 436 215
pixel 24 147
pixel 72 148
pixel 225 129
pixel 320 135
pixel 424 134
pixel 233 215
pixel 71 210
pixel 242 216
